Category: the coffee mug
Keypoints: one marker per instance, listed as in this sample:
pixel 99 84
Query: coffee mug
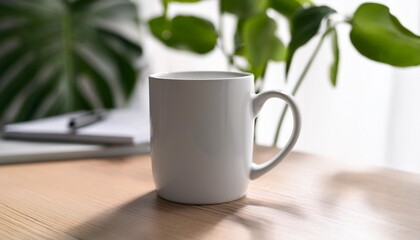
pixel 202 128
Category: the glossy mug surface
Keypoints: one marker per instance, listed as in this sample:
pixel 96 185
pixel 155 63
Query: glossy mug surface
pixel 202 126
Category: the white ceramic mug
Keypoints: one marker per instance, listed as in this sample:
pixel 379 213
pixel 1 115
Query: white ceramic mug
pixel 202 128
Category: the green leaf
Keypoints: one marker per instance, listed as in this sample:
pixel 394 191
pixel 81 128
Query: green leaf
pixel 161 28
pixel 378 35
pixel 125 69
pixel 36 98
pixel 195 34
pixel 244 8
pixel 336 58
pixel 132 47
pixel 56 107
pixel 41 31
pixel 121 10
pixel 237 38
pixel 113 50
pixel 184 1
pixel 17 85
pixel 17 54
pixel 80 100
pixel 80 5
pixel 285 7
pixel 279 52
pixel 185 32
pixel 261 43
pixel 98 80
pixel 11 58
pixel 47 37
pixel 288 7
pixel 305 25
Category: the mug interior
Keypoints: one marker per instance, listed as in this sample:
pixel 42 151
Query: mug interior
pixel 201 75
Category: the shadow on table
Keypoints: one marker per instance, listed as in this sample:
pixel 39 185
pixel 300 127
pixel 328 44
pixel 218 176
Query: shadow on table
pixel 392 194
pixel 150 217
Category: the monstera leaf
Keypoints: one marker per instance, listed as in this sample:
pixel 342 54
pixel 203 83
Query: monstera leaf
pixel 65 55
pixel 379 35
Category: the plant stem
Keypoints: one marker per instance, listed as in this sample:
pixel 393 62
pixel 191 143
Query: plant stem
pixel 299 83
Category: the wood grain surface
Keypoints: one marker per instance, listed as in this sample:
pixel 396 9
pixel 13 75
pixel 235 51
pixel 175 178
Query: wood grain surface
pixel 305 197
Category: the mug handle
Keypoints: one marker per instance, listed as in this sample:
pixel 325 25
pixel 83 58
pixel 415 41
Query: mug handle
pixel 258 101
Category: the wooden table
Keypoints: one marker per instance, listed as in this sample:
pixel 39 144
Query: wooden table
pixel 305 197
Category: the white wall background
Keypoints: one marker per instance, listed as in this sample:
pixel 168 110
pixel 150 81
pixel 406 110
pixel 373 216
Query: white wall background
pixel 372 116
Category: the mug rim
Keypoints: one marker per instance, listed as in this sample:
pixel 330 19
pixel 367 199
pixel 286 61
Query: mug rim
pixel 217 75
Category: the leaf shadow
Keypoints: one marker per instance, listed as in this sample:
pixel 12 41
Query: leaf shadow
pixel 392 194
pixel 150 217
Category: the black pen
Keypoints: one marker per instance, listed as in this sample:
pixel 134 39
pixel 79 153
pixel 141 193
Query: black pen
pixel 87 118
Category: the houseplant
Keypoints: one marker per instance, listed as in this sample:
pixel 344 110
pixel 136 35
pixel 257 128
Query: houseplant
pixel 66 55
pixel 375 34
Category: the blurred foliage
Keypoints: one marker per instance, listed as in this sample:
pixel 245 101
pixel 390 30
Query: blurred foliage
pixel 49 51
pixel 304 26
pixel 375 33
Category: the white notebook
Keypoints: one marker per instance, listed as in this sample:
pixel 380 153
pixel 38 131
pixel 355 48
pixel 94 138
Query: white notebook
pixel 25 151
pixel 122 132
pixel 120 127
